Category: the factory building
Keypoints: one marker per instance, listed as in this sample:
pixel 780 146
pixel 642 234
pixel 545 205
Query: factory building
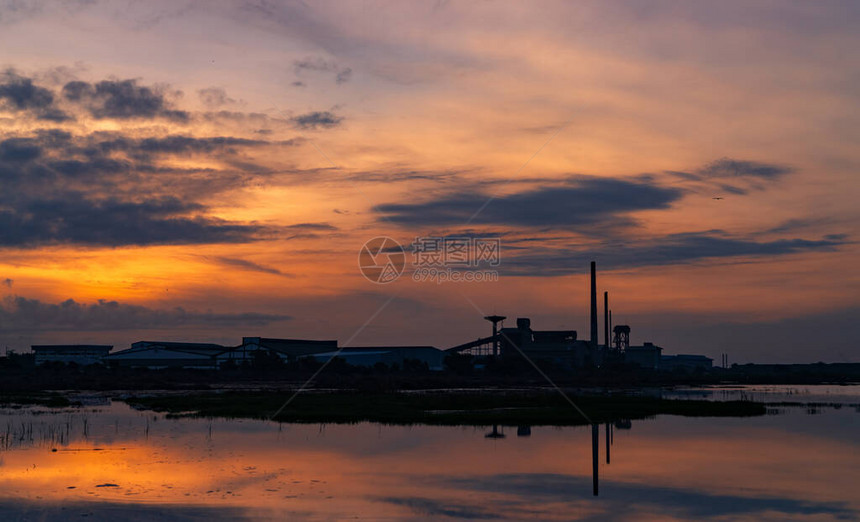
pixel 165 354
pixel 161 354
pixel 288 349
pixel 563 348
pixel 686 361
pixel 81 354
pixel 559 346
pixel 400 356
pixel 646 356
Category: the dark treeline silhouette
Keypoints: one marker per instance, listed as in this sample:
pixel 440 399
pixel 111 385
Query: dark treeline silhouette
pixel 18 372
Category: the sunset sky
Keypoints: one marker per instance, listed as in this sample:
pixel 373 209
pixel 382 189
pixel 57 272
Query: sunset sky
pixel 210 170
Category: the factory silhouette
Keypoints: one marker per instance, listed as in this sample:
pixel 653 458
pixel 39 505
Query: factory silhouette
pixel 508 347
pixel 563 348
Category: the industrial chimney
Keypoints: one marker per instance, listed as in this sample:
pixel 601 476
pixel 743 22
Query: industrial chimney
pixel 606 319
pixel 594 305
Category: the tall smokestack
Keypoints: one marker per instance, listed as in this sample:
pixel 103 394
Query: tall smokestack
pixel 594 304
pixel 610 320
pixel 606 318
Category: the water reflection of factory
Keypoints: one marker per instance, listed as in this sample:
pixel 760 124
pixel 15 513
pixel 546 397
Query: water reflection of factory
pixel 498 432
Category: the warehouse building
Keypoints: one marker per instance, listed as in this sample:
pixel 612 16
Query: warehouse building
pixel 166 354
pixel 686 362
pixel 81 354
pixel 391 356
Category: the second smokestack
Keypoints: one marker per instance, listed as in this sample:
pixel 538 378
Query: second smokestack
pixel 606 319
pixel 594 304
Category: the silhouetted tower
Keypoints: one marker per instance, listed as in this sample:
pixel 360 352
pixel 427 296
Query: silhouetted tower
pixel 593 305
pixel 606 319
pixel 495 319
pixel 622 337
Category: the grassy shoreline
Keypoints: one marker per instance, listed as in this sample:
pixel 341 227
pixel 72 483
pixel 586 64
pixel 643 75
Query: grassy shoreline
pixel 47 399
pixel 535 408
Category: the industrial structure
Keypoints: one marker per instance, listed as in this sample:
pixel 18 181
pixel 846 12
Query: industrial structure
pixel 562 347
pixel 685 362
pixel 559 347
pixel 161 354
pixel 392 356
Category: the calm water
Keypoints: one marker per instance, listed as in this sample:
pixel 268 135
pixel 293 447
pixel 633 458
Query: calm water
pixel 111 462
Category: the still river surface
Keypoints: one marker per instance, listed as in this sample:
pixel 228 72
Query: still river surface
pixel 111 462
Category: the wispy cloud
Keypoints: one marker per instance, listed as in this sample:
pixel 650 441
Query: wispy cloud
pixel 673 249
pixel 316 64
pixel 122 99
pixel 317 119
pixel 244 264
pixel 21 314
pixel 214 97
pixel 20 94
pixel 584 204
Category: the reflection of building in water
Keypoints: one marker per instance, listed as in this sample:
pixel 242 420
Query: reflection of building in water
pixel 623 424
pixel 595 436
pixel 525 431
pixel 495 434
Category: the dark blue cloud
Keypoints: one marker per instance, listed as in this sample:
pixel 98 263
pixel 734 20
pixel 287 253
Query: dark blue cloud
pixel 312 226
pixel 668 250
pixel 145 148
pixel 23 314
pixel 733 168
pixel 584 205
pixel 214 97
pixel 105 190
pixel 725 169
pixel 122 99
pixel 244 264
pixel 341 74
pixel 18 94
pixel 112 222
pixel 16 150
pixel 316 119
